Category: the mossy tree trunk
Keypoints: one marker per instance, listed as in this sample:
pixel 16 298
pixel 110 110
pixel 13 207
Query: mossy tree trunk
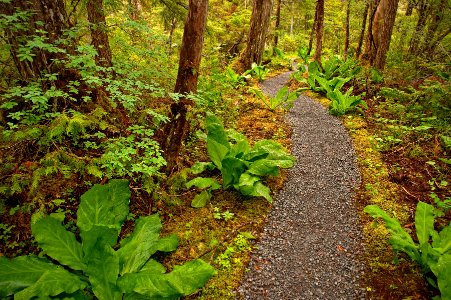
pixel 175 131
pixel 362 31
pixel 255 46
pixel 319 30
pixel 346 46
pixel 99 36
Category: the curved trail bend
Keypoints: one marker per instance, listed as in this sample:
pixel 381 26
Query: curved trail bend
pixel 310 244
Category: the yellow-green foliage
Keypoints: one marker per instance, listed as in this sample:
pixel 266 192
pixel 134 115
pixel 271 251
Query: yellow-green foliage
pixel 377 189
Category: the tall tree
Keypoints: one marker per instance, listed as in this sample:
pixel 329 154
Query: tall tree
pixel 188 72
pixel 362 31
pixel 277 25
pixel 423 12
pixel 312 33
pixel 369 35
pixel 383 22
pixel 380 32
pixel 255 46
pixel 319 30
pixel 440 17
pixel 100 41
pixel 346 46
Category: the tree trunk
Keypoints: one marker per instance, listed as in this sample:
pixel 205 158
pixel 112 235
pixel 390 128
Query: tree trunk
pixel 383 22
pixel 133 8
pixel 362 31
pixel 189 63
pixel 276 27
pixel 253 52
pixel 369 44
pixel 96 17
pixel 423 12
pixel 437 17
pixel 348 12
pixel 319 30
pixel 171 34
pixel 312 33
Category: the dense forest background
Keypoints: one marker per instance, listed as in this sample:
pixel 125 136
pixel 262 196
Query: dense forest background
pixel 93 90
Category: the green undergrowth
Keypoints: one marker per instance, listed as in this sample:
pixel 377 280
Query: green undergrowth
pixel 383 278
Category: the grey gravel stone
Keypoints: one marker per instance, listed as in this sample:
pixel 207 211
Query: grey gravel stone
pixel 310 245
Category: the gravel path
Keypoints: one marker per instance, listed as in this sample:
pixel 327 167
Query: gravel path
pixel 310 244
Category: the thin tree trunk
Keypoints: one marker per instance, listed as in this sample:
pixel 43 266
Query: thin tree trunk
pixel 348 12
pixel 253 52
pixel 312 33
pixel 437 17
pixel 188 72
pixel 369 43
pixel 276 27
pixel 133 7
pixel 423 12
pixel 319 30
pixel 382 29
pixel 362 31
pixel 96 17
pixel 171 33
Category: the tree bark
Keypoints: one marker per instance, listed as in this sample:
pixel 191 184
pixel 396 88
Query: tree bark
pixel 277 25
pixel 423 12
pixel 100 41
pixel 383 22
pixel 260 18
pixel 369 44
pixel 133 8
pixel 346 46
pixel 319 30
pixel 312 33
pixel 438 15
pixel 362 31
pixel 188 72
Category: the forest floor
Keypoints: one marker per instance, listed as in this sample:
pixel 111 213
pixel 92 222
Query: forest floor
pixel 311 242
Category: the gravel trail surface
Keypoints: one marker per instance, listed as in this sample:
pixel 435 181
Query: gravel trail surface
pixel 310 244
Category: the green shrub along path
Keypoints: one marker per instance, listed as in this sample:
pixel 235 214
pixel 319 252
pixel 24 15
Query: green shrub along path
pixel 310 245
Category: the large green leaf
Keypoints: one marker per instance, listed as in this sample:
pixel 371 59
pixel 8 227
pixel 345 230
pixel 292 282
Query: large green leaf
pixel 144 242
pixel 25 271
pixel 199 167
pixel 400 239
pixel 201 199
pixel 424 222
pixel 239 149
pixel 58 243
pixel 52 283
pixel 217 144
pixel 98 235
pixel 217 152
pixel 275 151
pixel 231 170
pixel 250 185
pixel 104 205
pixel 182 281
pixel 202 183
pixel 103 271
pixel 265 167
pixel 442 241
pixel 443 272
